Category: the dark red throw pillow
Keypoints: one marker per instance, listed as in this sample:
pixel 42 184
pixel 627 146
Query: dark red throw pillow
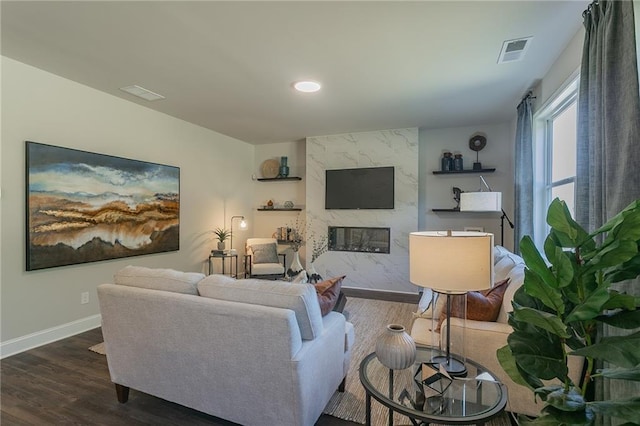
pixel 328 292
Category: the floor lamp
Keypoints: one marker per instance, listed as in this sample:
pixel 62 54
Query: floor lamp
pixel 243 225
pixel 483 201
pixel 451 263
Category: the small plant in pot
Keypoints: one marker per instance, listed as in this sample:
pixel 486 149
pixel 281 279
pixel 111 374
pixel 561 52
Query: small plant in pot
pixel 560 311
pixel 222 235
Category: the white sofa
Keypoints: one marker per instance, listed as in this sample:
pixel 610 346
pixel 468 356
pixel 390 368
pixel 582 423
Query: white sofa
pixel 482 338
pixel 250 351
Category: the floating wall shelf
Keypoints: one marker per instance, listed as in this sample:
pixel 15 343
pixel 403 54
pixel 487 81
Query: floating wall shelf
pixel 279 179
pixel 459 172
pixel 280 210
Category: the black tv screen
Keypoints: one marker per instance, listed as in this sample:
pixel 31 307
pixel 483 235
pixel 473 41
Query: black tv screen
pixel 363 188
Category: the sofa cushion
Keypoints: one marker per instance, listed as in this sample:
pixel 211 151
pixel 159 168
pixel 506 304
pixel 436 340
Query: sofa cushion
pixel 159 279
pixel 328 292
pixel 265 253
pixel 300 298
pixel 481 305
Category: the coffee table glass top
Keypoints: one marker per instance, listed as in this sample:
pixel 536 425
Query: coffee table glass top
pixel 420 393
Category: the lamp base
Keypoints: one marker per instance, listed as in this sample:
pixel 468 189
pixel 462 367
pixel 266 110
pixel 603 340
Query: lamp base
pixel 477 166
pixel 453 366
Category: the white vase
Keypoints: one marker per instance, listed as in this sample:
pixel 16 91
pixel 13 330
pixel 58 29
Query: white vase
pixel 395 348
pixel 296 266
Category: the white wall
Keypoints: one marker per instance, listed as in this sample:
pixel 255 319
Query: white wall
pixel 398 148
pixel 436 191
pixel 43 305
pixel 265 223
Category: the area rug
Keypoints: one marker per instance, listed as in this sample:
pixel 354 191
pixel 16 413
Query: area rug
pixel 369 318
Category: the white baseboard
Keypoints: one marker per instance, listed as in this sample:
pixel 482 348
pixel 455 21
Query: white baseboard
pixel 43 337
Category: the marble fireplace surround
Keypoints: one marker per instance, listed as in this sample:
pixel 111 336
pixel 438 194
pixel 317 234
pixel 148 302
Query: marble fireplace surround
pixel 366 270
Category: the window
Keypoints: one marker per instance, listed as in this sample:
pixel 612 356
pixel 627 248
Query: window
pixel 555 156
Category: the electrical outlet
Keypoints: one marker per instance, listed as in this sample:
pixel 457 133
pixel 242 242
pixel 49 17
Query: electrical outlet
pixel 84 298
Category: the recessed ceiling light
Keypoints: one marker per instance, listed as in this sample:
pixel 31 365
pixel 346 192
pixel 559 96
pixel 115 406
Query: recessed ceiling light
pixel 307 86
pixel 143 93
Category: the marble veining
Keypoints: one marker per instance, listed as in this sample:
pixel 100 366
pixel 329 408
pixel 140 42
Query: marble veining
pixel 398 148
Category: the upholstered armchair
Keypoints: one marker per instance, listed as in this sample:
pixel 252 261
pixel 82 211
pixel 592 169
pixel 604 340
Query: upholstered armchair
pixel 262 259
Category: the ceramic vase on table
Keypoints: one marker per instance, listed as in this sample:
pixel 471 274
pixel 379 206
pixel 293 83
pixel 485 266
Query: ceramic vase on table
pixel 314 277
pixel 395 348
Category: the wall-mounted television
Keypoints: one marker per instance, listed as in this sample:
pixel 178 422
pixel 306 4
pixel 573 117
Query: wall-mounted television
pixel 361 188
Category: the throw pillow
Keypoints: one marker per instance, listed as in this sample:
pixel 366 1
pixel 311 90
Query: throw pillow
pixel 265 253
pixel 328 292
pixel 481 305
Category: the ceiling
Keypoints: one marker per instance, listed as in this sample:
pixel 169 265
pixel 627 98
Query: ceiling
pixel 229 66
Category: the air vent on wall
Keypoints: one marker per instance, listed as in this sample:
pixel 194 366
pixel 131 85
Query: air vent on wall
pixel 513 50
pixel 141 92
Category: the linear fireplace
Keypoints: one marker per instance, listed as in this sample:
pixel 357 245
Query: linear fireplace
pixel 356 239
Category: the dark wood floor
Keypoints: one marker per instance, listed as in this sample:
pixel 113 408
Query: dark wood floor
pixel 65 383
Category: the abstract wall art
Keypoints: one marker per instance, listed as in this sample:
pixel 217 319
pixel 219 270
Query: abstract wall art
pixel 86 207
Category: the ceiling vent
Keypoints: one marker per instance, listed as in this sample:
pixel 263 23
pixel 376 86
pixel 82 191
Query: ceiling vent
pixel 141 92
pixel 514 50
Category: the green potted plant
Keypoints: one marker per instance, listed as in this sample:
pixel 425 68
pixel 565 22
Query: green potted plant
pixel 561 308
pixel 222 235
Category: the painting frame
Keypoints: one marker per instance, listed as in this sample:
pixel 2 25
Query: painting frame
pixel 84 206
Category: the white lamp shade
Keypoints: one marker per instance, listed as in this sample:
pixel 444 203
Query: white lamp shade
pixel 451 262
pixel 480 201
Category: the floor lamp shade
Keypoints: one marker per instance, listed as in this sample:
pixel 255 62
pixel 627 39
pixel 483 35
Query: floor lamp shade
pixel 480 201
pixel 451 262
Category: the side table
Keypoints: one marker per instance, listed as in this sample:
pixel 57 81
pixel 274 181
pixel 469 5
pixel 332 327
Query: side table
pixel 222 257
pixel 471 400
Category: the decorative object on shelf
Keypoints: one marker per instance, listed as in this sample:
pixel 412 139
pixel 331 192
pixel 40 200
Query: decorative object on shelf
pixel 284 169
pixel 457 162
pixel 446 163
pixel 477 142
pixel 270 168
pixel 434 262
pixel 222 235
pixel 456 197
pixel 288 204
pixel 395 349
pixel 269 205
pixel 243 225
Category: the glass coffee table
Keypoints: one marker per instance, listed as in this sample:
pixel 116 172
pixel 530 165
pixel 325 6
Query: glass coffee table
pixel 426 396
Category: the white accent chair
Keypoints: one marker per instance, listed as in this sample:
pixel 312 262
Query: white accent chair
pixel 263 260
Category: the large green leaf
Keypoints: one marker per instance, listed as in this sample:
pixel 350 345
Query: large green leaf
pixel 538 356
pixel 629 228
pixel 535 262
pixel 535 287
pixel 553 416
pixel 566 401
pixel 622 319
pixel 619 251
pixel 619 300
pixel 618 350
pixel 617 219
pixel 626 409
pixel 508 364
pixel 559 218
pixel 544 320
pixel 590 308
pixel 627 271
pixel 621 373
pixel 563 268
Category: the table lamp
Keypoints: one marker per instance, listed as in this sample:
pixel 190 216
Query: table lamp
pixel 243 225
pixel 485 201
pixel 451 263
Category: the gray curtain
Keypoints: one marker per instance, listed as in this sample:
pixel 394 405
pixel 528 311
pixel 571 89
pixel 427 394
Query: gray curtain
pixel 608 166
pixel 523 173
